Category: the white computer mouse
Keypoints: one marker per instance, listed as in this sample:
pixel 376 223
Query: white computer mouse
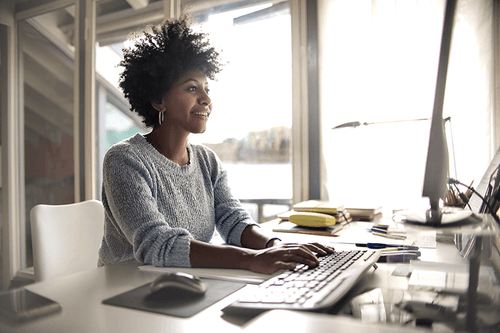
pixel 180 282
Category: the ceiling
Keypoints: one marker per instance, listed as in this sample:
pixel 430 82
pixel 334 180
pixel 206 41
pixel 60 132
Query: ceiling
pixel 117 18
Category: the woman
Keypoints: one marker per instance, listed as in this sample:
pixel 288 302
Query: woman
pixel 164 197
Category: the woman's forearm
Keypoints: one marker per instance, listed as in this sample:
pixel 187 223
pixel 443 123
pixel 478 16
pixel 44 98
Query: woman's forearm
pixel 254 255
pixel 254 237
pixel 225 256
pixel 207 255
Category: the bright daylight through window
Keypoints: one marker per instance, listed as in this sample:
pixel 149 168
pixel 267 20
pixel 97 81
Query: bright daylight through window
pixel 250 126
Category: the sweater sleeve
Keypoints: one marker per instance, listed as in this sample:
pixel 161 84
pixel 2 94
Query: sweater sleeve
pixel 135 218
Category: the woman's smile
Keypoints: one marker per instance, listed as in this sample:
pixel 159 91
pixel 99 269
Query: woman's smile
pixel 204 114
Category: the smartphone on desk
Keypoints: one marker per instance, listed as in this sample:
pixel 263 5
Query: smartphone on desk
pixel 21 305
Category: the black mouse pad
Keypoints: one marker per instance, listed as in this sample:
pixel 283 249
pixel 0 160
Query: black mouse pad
pixel 173 303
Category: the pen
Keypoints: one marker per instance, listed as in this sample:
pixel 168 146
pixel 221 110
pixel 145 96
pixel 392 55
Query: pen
pixel 389 236
pixel 395 253
pixel 381 226
pixel 382 231
pixel 396 249
pixel 383 246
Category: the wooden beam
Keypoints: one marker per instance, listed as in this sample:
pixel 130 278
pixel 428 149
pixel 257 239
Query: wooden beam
pixel 40 57
pixel 41 128
pixel 25 10
pixel 138 4
pixel 47 87
pixel 125 19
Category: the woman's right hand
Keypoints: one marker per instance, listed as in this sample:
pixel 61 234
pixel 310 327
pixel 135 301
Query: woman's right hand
pixel 283 256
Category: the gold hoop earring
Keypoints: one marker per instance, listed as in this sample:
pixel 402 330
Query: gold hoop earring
pixel 161 117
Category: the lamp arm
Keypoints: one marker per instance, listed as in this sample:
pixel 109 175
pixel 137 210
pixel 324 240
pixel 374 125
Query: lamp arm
pixel 396 121
pixel 355 124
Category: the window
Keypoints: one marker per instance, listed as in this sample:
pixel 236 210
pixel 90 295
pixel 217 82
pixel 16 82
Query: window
pixel 250 126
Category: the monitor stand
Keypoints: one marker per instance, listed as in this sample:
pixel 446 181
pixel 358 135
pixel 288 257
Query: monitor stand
pixel 437 217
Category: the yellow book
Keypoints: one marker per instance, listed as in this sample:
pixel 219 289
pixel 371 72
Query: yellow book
pixel 316 206
pixel 310 219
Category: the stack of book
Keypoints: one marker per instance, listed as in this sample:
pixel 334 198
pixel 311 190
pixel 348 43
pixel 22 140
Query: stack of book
pixel 386 231
pixel 341 212
pixel 335 217
pixel 364 213
pixel 314 206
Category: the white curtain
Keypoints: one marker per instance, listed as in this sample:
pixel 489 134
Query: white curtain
pixel 378 62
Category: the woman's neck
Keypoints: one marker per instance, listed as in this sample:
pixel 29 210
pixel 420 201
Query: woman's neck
pixel 173 147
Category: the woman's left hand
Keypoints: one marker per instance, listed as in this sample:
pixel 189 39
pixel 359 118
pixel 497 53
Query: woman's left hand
pixel 283 256
pixel 318 248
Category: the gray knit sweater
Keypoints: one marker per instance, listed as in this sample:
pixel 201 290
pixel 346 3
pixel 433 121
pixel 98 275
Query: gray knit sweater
pixel 154 207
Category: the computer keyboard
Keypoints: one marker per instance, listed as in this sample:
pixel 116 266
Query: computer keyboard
pixel 305 288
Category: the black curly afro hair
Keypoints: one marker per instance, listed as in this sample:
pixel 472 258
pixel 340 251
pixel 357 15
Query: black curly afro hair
pixel 158 59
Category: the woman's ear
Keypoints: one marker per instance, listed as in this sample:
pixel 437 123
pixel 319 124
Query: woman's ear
pixel 157 107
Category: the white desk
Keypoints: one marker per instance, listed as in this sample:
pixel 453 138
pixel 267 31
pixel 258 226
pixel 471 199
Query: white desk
pixel 81 297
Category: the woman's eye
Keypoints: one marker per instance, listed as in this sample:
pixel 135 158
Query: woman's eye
pixel 192 89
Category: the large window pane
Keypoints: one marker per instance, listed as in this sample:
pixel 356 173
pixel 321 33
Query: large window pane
pixel 118 126
pixel 250 127
pixel 47 76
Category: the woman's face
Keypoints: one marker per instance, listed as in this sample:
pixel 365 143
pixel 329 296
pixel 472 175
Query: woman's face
pixel 187 104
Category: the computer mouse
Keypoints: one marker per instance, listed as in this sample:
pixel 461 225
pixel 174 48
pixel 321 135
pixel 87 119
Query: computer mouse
pixel 178 283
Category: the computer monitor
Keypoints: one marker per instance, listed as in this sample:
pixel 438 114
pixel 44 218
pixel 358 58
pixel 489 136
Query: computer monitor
pixel 437 166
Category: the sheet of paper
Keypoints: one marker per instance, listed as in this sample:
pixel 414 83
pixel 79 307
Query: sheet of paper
pixel 423 240
pixel 237 275
pixel 360 232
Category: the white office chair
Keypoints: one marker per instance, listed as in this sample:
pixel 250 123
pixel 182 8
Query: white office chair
pixel 66 238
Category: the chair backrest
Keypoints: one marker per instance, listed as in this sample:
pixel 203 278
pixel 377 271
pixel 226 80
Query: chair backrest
pixel 66 238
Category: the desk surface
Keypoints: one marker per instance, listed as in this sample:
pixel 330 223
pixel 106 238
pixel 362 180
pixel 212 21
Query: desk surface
pixel 81 297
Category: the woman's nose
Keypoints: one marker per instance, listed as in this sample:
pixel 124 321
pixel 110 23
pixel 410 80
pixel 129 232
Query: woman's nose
pixel 205 99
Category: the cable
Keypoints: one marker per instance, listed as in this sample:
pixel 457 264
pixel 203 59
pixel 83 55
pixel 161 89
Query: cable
pixel 462 196
pixel 495 216
pixel 346 220
pixel 492 191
